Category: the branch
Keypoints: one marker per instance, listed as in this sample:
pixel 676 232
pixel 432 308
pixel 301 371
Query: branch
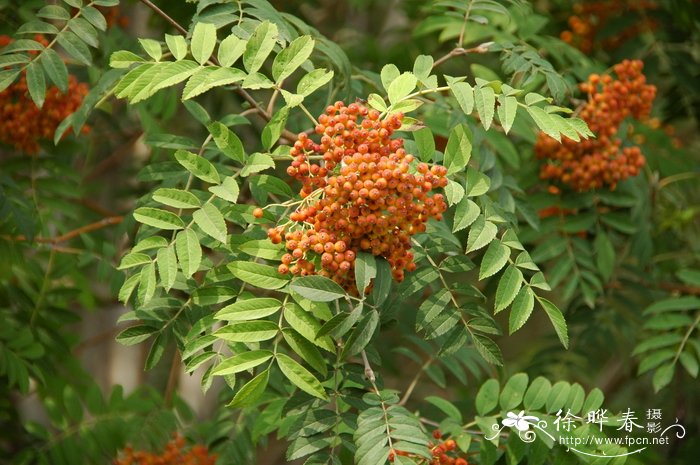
pixel 165 16
pixel 369 373
pixel 481 48
pixel 71 234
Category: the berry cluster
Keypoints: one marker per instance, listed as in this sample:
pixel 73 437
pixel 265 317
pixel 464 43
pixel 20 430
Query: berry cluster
pixel 590 17
pixel 594 163
pixel 443 452
pixel 22 123
pixel 174 454
pixel 361 191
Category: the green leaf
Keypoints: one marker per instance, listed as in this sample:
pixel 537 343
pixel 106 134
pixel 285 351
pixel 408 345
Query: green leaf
pixel 458 150
pixel 249 309
pixel 522 309
pixel 487 397
pixel 485 101
pixel 133 259
pixel 176 198
pixel 481 233
pixel 251 391
pixel 557 319
pixel 230 50
pixel 211 221
pixel 84 31
pixel 123 59
pixel 209 77
pixel 155 353
pixel 605 255
pixel 198 166
pixel 377 102
pixel 465 214
pixel 177 46
pixel 663 376
pixel 213 295
pixel 242 362
pixel 152 47
pixel 690 363
pixel 128 288
pixel 507 109
pixel 545 122
pixel 593 401
pixel 513 391
pixel 306 350
pixel 361 335
pixel 300 376
pixel 135 334
pixel 454 192
pixel 167 266
pixel 446 407
pixel 147 283
pixel 94 17
pixel 313 81
pixel 537 394
pixel 227 141
pixel 189 252
pixel 464 93
pixel 55 69
pixel 305 324
pixel 158 218
pixel 248 331
pixel 558 396
pixel 508 287
pixel 257 162
pixel 36 83
pixel 401 87
pixel 203 41
pixel 259 46
pixel 477 183
pixel 262 276
pixel 7 77
pixel 263 248
pixel 423 66
pixel 292 58
pixel 228 190
pixel 54 12
pixel 317 288
pixel 388 73
pixel 340 323
pixel 495 258
pixel 425 141
pixel 488 349
pixel 365 271
pixel 272 130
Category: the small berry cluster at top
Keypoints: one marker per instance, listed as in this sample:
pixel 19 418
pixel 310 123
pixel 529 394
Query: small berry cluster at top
pixel 443 452
pixel 175 453
pixel 22 123
pixel 360 191
pixel 594 163
pixel 589 18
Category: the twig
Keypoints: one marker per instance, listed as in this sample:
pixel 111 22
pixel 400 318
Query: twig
pixel 671 287
pixel 369 373
pixel 165 16
pixel 482 48
pixel 414 382
pixel 72 234
pixel 172 378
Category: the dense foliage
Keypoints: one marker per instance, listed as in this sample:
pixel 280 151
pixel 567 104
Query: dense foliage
pixel 373 231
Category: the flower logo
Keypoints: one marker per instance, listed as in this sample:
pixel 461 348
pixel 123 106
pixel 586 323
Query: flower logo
pixel 520 421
